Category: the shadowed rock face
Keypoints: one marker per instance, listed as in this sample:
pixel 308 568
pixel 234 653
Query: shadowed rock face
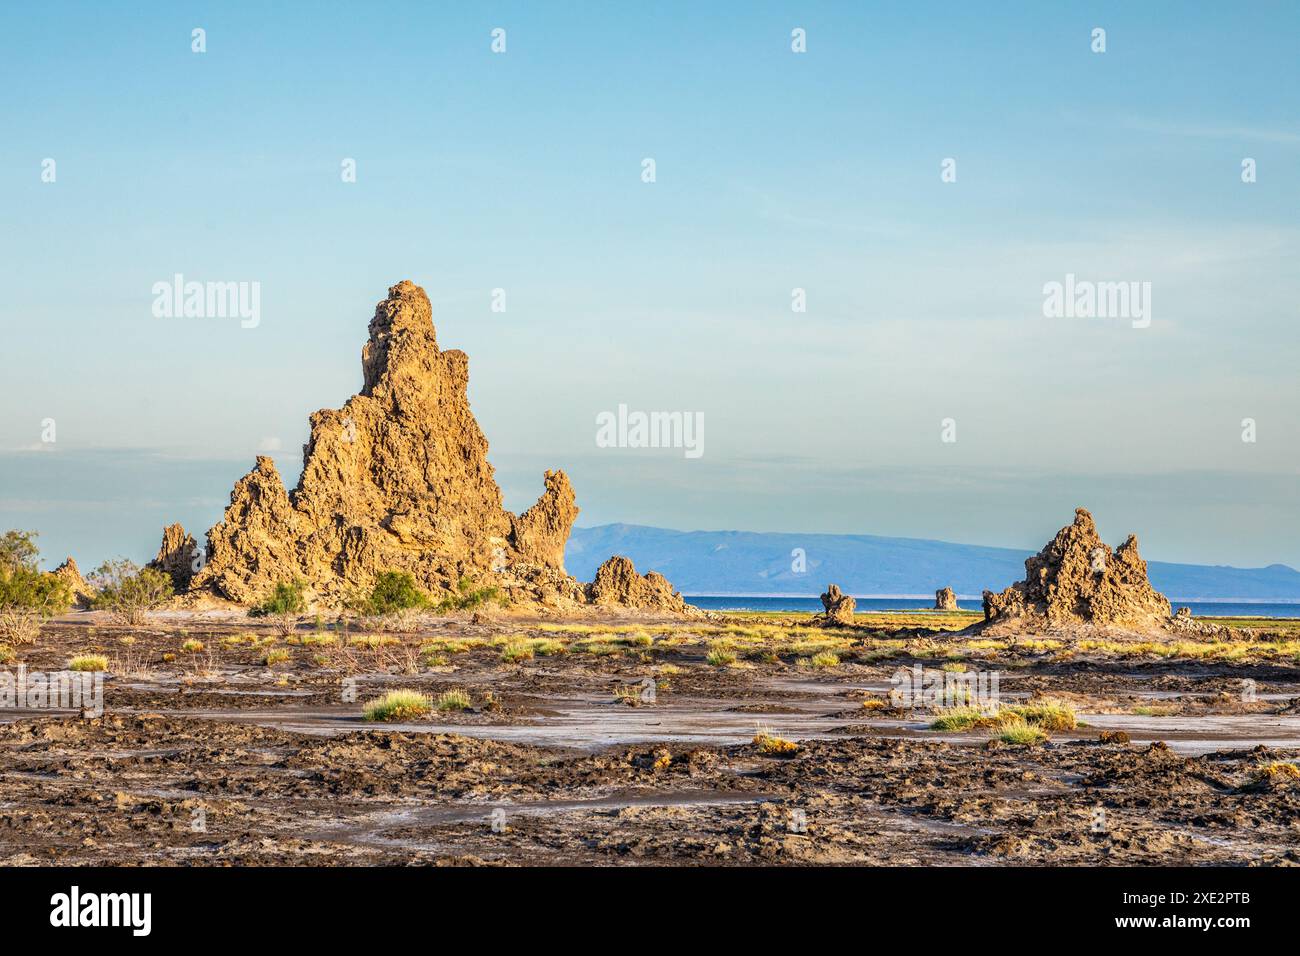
pixel 618 584
pixel 945 599
pixel 839 608
pixel 176 556
pixel 396 479
pixel 1078 580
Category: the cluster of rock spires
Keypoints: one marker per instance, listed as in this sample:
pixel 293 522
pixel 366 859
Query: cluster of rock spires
pixel 1078 580
pixel 398 480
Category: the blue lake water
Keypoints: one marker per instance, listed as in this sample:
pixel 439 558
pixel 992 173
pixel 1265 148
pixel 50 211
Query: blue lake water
pixel 714 602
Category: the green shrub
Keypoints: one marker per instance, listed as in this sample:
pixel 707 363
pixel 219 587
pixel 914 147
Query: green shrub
pixel 128 591
pixel 467 597
pixel 393 591
pixel 27 595
pixel 286 599
pixel 18 551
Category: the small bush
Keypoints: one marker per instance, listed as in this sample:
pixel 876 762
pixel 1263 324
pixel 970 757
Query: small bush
pixel 27 596
pixel 275 657
pixel 396 705
pixel 128 592
pixel 392 592
pixel 455 699
pixel 286 599
pixel 18 551
pixel 466 597
pixel 286 602
pixel 192 646
pixel 88 662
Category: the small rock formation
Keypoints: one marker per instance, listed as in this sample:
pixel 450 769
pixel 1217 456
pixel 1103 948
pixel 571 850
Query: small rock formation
pixel 82 593
pixel 541 532
pixel 398 480
pixel 176 556
pixel 617 583
pixel 839 608
pixel 945 599
pixel 1077 580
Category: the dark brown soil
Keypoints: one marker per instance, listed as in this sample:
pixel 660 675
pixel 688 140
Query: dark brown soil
pixel 214 758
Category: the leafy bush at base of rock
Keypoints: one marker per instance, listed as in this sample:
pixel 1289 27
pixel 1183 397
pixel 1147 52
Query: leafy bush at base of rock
pixel 467 597
pixel 392 592
pixel 128 591
pixel 286 599
pixel 27 595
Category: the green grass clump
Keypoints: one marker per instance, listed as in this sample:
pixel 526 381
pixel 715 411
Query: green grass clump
pixel 825 660
pixel 191 646
pixel 721 656
pixel 517 651
pixel 396 705
pixel 88 662
pixel 275 657
pixel 373 641
pixel 1017 730
pixel 964 718
pixel 598 648
pixel 1048 714
pixel 454 699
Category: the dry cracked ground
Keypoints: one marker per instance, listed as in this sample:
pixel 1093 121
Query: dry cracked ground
pixel 643 741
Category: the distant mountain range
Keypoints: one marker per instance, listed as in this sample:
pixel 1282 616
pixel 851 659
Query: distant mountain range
pixel 754 563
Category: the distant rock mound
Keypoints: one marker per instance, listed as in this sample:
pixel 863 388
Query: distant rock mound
pixel 1077 580
pixel 82 593
pixel 397 479
pixel 945 599
pixel 176 556
pixel 617 583
pixel 838 608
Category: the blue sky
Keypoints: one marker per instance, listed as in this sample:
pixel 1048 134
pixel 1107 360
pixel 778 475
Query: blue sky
pixel 775 170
